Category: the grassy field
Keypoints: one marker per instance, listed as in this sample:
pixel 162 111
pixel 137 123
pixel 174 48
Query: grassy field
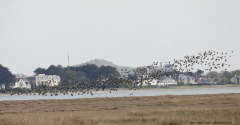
pixel 151 110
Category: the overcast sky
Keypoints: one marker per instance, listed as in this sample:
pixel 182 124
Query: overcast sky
pixel 126 32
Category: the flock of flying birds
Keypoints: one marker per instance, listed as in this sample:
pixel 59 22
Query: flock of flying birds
pixel 112 82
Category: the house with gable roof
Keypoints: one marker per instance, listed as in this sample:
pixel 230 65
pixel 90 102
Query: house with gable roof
pixel 186 79
pixel 205 80
pixel 22 83
pixel 165 81
pixel 235 79
pixel 42 79
pixel 2 86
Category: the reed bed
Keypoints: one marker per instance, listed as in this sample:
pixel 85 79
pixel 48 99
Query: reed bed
pixel 153 110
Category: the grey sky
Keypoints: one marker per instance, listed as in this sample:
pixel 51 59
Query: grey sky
pixel 126 32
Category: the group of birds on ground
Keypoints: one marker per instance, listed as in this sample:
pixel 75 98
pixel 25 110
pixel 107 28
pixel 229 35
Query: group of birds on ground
pixel 115 81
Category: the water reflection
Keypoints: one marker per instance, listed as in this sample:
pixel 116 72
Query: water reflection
pixel 122 94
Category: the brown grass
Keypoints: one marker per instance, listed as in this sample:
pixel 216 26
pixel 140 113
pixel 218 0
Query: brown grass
pixel 159 110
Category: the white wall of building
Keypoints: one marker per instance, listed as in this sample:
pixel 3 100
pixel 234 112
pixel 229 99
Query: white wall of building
pixel 47 79
pixel 2 86
pixel 22 84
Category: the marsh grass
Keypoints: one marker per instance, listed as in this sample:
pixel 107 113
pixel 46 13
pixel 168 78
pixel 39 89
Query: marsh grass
pixel 152 110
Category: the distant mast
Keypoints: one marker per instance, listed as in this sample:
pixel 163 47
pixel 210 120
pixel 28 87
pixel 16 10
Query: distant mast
pixel 68 60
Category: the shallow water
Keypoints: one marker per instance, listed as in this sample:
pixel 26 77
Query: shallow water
pixel 122 94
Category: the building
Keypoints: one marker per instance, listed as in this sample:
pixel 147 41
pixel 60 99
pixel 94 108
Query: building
pixel 150 81
pixel 235 79
pixel 166 81
pixel 22 83
pixel 205 80
pixel 43 79
pixel 186 79
pixel 166 71
pixel 2 86
pixel 145 80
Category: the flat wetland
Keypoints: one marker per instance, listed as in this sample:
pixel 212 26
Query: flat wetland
pixel 136 110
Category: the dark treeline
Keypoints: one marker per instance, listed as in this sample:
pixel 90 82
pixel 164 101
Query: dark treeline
pixel 6 77
pixel 80 72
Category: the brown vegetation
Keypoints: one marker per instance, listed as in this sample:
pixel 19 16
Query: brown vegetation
pixel 159 110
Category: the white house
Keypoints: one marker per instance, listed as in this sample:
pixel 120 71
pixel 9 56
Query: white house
pixel 146 81
pixel 186 79
pixel 167 81
pixel 43 79
pixel 152 82
pixel 22 83
pixel 235 79
pixel 2 86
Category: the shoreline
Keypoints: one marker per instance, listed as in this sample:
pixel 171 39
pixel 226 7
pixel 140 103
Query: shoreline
pixel 148 90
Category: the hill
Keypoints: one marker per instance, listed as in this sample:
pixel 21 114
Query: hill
pixel 102 62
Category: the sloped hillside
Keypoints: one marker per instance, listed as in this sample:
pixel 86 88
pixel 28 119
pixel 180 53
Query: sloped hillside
pixel 102 62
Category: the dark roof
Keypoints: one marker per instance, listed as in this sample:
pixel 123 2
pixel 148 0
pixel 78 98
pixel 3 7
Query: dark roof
pixel 17 79
pixel 26 81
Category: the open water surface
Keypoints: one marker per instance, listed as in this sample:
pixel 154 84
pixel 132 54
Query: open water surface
pixel 122 94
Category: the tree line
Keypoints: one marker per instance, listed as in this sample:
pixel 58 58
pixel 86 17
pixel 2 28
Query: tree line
pixel 6 77
pixel 79 72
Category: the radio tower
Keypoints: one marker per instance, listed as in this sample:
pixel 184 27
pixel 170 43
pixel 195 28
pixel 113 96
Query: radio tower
pixel 68 60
